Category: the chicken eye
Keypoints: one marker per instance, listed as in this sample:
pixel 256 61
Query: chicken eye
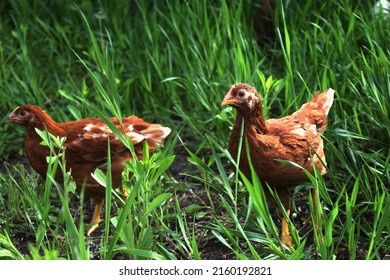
pixel 22 113
pixel 241 94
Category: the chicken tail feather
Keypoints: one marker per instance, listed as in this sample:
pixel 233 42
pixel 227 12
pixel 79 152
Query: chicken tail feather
pixel 316 110
pixel 328 97
pixel 321 101
pixel 155 135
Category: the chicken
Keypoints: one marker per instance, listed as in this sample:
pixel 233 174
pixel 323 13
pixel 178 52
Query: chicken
pixel 86 147
pixel 295 138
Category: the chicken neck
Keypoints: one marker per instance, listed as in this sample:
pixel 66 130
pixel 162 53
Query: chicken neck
pixel 254 121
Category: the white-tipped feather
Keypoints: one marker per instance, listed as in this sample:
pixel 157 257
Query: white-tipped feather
pixel 166 131
pixel 155 131
pixel 136 137
pixel 88 127
pixel 299 131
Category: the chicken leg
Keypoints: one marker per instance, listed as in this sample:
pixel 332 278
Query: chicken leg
pixel 99 202
pixel 96 214
pixel 284 197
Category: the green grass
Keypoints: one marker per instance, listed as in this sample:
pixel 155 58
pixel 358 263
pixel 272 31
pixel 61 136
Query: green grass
pixel 172 62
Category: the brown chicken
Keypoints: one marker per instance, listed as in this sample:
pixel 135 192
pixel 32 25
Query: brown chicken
pixel 295 138
pixel 86 147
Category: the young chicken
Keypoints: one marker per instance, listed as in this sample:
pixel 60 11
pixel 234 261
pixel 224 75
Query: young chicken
pixel 295 138
pixel 86 147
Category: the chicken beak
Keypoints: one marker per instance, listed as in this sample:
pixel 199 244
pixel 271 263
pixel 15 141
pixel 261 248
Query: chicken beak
pixel 227 101
pixel 13 118
pixel 229 98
